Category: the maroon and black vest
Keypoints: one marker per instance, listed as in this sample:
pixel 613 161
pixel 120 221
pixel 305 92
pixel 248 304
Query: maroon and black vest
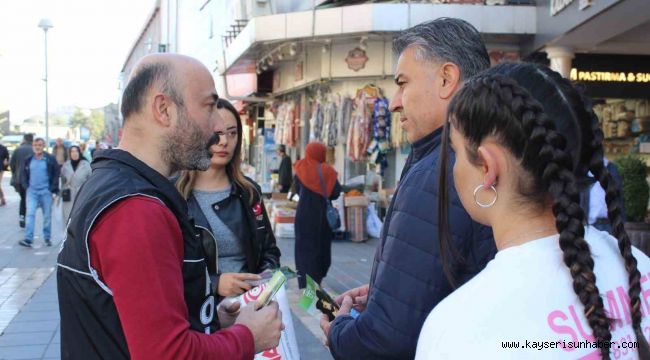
pixel 90 324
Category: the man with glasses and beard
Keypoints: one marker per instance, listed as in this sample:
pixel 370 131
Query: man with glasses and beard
pixel 132 277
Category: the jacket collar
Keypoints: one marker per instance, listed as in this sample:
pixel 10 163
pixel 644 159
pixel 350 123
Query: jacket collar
pixel 105 157
pixel 424 146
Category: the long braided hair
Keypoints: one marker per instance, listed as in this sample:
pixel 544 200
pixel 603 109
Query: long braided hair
pixel 566 105
pixel 497 106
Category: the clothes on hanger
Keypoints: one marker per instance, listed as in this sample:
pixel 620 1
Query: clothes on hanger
pixel 359 130
pixel 343 115
pixel 330 133
pixel 381 126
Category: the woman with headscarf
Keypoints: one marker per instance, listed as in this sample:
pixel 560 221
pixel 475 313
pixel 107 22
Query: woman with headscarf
pixel 74 173
pixel 316 184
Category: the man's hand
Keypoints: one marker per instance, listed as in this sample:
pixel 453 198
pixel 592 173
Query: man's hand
pixel 233 284
pixel 265 324
pixel 228 313
pixel 359 296
pixel 346 305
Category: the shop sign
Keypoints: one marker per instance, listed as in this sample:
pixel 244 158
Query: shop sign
pixel 609 76
pixel 356 59
pixel 559 5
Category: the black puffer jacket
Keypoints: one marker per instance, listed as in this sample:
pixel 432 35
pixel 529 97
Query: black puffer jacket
pixel 248 222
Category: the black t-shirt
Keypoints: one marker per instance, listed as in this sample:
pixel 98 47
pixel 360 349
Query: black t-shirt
pixel 4 155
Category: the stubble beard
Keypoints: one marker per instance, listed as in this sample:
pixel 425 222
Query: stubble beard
pixel 186 146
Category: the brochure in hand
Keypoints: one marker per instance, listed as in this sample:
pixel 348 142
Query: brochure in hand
pixel 314 297
pixel 266 275
pixel 277 280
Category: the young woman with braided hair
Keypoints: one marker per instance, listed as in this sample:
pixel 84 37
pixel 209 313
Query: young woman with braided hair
pixel 515 170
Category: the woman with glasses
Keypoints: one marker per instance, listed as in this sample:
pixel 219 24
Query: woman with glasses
pixel 229 214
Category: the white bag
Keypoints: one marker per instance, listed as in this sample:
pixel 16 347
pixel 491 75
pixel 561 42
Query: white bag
pixel 288 347
pixel 373 223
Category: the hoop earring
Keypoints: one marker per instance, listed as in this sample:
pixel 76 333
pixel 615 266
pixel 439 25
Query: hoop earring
pixel 485 206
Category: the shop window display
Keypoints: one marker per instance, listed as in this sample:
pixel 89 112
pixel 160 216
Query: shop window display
pixel 625 124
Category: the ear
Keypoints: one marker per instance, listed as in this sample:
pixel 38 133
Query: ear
pixel 161 108
pixel 489 158
pixel 450 75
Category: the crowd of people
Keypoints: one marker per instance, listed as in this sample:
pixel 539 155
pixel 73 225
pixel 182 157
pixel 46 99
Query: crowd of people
pixel 493 233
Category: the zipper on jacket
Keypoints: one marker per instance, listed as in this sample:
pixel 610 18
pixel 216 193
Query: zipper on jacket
pixel 216 247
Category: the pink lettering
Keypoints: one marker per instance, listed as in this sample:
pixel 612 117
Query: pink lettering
pixel 613 312
pixel 561 329
pixel 584 335
pixel 625 303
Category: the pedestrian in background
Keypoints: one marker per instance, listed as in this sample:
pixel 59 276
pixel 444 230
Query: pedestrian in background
pixel 229 213
pixel 592 199
pixel 285 173
pixel 93 150
pixel 60 152
pixel 40 177
pixel 4 164
pixel 74 173
pixel 316 185
pixel 16 163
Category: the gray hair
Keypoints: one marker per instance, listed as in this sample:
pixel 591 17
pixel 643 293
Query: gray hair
pixel 446 39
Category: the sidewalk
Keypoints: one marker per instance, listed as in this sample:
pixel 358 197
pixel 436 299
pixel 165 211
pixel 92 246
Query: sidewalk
pixel 29 316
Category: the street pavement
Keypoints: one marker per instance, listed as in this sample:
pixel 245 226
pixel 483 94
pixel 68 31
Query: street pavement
pixel 29 316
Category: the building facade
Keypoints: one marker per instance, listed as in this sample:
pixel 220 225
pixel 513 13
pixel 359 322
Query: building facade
pixel 291 66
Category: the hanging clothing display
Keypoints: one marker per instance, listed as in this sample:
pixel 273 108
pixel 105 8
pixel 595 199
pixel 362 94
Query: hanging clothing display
pixel 288 128
pixel 287 123
pixel 330 127
pixel 316 122
pixel 359 130
pixel 280 114
pixel 381 126
pixel 343 115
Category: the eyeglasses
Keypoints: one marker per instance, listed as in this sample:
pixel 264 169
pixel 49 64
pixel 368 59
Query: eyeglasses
pixel 230 134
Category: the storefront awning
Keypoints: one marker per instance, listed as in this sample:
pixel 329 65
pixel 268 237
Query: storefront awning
pixel 264 31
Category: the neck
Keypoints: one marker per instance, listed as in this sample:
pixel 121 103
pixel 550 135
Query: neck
pixel 212 179
pixel 518 229
pixel 143 147
pixel 38 156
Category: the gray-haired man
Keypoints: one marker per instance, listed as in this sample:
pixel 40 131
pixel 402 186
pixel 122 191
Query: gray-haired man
pixel 407 279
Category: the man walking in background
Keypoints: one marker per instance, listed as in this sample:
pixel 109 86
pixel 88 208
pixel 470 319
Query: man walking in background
pixel 16 163
pixel 60 152
pixel 285 174
pixel 40 177
pixel 4 163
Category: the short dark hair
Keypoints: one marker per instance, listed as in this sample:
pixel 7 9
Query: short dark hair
pixel 282 148
pixel 140 83
pixel 28 138
pixel 446 39
pixel 39 139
